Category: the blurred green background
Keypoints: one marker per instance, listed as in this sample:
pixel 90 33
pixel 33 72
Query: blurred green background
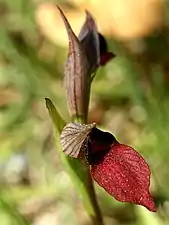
pixel 129 97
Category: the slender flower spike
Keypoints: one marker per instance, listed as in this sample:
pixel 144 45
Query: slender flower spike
pixel 118 168
pixel 86 53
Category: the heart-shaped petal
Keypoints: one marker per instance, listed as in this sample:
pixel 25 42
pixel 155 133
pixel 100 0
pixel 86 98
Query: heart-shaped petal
pixel 125 175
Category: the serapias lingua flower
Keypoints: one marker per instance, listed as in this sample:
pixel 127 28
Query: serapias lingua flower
pixel 117 168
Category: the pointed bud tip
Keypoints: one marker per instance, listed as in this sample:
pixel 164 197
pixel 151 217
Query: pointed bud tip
pixel 69 30
pixel 88 15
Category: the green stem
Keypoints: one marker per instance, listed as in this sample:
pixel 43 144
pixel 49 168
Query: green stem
pixel 97 218
pixel 77 169
pixel 96 215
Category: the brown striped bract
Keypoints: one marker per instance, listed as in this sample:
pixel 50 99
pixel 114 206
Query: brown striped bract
pixel 73 136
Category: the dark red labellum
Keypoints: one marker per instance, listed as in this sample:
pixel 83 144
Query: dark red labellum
pixel 125 175
pixel 118 168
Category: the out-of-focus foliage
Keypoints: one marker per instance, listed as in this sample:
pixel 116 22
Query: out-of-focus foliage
pixel 130 98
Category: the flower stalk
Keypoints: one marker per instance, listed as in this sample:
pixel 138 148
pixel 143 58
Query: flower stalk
pixel 82 63
pixel 78 170
pixel 116 167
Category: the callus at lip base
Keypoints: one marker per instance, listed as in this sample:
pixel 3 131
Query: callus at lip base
pixel 125 175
